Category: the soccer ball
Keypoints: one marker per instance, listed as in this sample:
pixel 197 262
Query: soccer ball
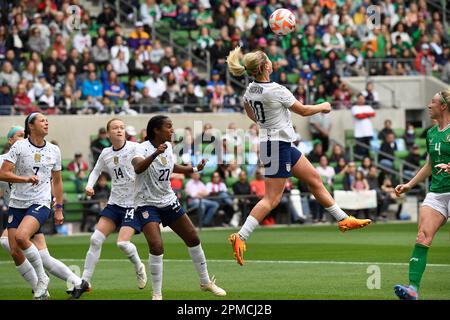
pixel 282 22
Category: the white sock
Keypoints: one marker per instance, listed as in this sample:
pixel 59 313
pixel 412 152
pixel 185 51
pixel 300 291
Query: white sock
pixel 4 242
pixel 27 271
pixel 199 260
pixel 250 224
pixel 58 269
pixel 131 252
pixel 337 212
pixel 32 254
pixel 156 269
pixel 93 254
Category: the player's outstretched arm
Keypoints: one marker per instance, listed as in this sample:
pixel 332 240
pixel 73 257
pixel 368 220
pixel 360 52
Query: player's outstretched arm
pixel 423 173
pixel 189 169
pixel 309 110
pixel 57 191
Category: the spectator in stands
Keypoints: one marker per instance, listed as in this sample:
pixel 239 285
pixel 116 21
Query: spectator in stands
pixel 47 101
pixel 197 193
pixel 82 40
pixel 22 103
pixel 446 71
pixel 92 106
pixel 373 182
pixel 114 89
pixel 388 147
pixel 320 127
pixel 218 53
pixel 156 85
pixel 101 142
pixel 9 75
pixel 365 166
pixel 36 42
pixel 120 46
pixel 216 188
pixel 80 168
pixel 386 130
pixel 325 171
pixel 363 127
pixel 150 12
pixel 101 195
pixel 257 185
pixel 412 158
pixel 337 152
pixel 6 99
pixel 371 95
pixel 175 69
pixel 410 135
pixel 67 101
pixel 360 183
pixel 316 153
pixel 341 166
pixel 389 196
pixel 342 96
pixel 424 60
pixel 349 176
pixel 100 52
pixel 92 87
pixel 333 40
pixel 168 10
pixel 138 37
pixel 107 17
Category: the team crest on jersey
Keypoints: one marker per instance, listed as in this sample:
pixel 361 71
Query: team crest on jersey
pixel 288 167
pixel 163 161
pixel 145 214
pixel 116 161
pixel 10 218
pixel 37 157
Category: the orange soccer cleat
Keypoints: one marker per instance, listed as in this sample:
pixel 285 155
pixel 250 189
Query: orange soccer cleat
pixel 351 223
pixel 238 247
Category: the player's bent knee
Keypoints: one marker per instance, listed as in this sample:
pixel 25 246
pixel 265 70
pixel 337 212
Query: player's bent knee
pixel 22 240
pixel 192 239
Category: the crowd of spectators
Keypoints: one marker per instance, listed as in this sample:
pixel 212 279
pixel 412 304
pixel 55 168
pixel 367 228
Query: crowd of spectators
pixel 104 68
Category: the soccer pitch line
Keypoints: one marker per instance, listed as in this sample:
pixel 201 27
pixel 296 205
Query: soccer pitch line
pixel 266 262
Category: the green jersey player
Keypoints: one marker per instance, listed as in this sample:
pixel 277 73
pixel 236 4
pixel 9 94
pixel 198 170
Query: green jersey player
pixel 435 209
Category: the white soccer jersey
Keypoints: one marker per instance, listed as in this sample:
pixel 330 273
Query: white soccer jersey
pixel 5 186
pixel 153 185
pixel 270 102
pixel 117 163
pixel 30 160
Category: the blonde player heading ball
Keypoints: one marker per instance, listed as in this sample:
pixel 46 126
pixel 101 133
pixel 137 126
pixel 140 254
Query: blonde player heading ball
pixel 157 203
pixel 116 161
pixel 269 104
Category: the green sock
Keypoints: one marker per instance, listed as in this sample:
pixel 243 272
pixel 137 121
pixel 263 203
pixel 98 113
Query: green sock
pixel 417 264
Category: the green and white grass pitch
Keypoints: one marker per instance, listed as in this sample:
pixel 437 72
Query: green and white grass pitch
pixel 296 262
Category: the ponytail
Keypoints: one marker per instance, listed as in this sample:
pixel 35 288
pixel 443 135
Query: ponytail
pixel 253 63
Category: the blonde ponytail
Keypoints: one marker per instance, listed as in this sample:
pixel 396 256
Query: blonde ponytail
pixel 235 67
pixel 253 63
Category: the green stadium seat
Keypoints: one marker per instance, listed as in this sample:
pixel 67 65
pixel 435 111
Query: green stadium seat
pixel 205 179
pixel 180 37
pixel 230 181
pixel 67 175
pixel 421 142
pixel 338 186
pixel 3 141
pixel 69 187
pixel 292 78
pixel 208 171
pixel 401 154
pixel 338 179
pixel 399 132
pixel 418 132
pixel 65 162
pixel 422 162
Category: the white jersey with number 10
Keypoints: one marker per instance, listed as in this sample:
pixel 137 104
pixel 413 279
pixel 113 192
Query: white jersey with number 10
pixel 270 103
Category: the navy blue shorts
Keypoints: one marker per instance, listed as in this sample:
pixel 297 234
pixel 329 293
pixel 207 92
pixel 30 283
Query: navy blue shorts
pixel 278 157
pixel 38 211
pixel 122 217
pixel 166 215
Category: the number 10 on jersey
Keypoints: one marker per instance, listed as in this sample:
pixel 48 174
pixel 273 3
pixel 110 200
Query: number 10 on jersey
pixel 258 110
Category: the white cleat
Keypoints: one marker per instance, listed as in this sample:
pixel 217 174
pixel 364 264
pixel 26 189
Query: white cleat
pixel 212 287
pixel 157 296
pixel 141 277
pixel 41 292
pixel 46 296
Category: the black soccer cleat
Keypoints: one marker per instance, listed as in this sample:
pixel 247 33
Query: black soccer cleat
pixel 77 292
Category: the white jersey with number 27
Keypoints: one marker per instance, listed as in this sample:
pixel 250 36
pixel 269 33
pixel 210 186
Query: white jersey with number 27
pixel 270 103
pixel 153 185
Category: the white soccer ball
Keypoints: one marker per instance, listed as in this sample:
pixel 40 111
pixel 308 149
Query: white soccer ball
pixel 282 22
